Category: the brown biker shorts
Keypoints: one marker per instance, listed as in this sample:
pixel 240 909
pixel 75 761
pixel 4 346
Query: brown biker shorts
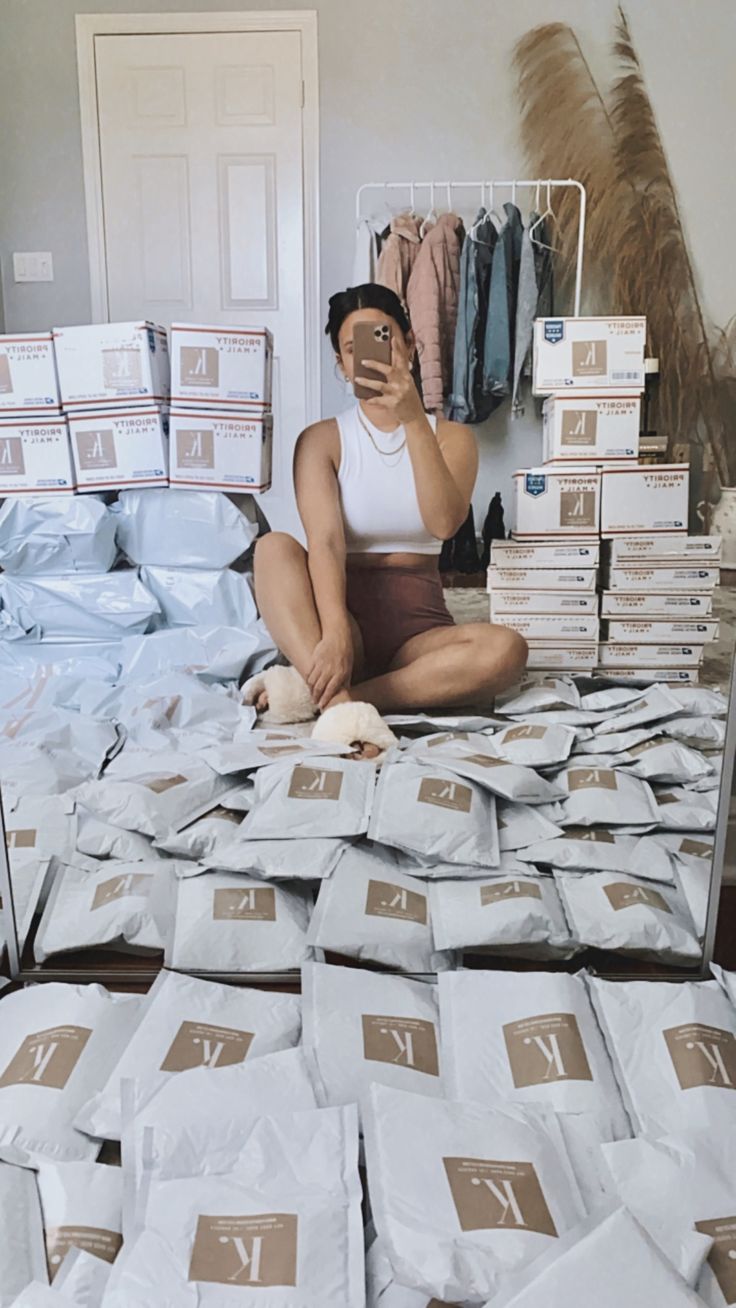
pixel 390 605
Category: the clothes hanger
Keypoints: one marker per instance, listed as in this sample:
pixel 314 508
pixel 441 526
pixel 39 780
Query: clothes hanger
pixel 431 217
pixel 548 213
pixel 493 211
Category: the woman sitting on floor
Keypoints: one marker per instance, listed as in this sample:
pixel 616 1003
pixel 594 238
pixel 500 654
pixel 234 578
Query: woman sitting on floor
pixel 360 614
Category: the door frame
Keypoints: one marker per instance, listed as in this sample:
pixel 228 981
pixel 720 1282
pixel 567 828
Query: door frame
pixel 303 21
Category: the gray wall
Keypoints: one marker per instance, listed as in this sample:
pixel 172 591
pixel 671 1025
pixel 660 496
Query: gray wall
pixel 407 87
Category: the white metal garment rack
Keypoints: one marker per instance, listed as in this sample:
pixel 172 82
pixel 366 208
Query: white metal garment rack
pixel 540 182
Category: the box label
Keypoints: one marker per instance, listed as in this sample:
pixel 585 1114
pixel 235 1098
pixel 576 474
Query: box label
pixel 12 462
pixel 96 449
pixel 199 366
pixel 589 358
pixel 554 331
pixel 195 449
pixel 579 427
pixel 535 484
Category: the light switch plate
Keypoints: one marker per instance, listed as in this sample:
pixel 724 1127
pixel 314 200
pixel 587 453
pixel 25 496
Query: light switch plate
pixel 34 267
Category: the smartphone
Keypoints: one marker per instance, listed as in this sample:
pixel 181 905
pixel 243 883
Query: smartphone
pixel 371 340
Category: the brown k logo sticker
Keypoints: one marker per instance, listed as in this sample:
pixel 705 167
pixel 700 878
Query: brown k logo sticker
pixel 47 1058
pixel 490 1195
pixel 404 1041
pixel 255 1251
pixel 702 1055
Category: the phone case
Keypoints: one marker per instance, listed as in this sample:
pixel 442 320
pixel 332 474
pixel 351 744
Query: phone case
pixel 371 340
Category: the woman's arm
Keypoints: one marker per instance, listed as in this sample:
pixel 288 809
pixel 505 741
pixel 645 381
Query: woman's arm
pixel 445 466
pixel 318 500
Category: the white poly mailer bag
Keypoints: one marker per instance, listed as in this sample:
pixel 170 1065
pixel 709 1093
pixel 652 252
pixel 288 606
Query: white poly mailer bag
pixel 533 745
pixel 630 915
pixel 371 910
pixel 699 730
pixel 682 810
pixel 226 922
pixel 698 1177
pixel 40 1295
pixel 696 885
pixel 528 1037
pixel 60 730
pixel 547 693
pixel 316 798
pixel 697 700
pixel 30 882
pixel 281 1227
pixel 37 828
pixel 382 1288
pixel 175 702
pixel 518 913
pixel 193 529
pixel 83 1278
pixel 152 792
pixel 591 849
pixel 430 813
pixel 477 757
pixel 520 825
pixel 95 910
pixel 82 1206
pixel 204 836
pixel 362 1026
pixel 258 748
pixel 652 704
pixel 191 597
pixel 94 606
pixel 56 534
pixel 58 1043
pixel 191 1123
pixel 609 1261
pixel 690 849
pixel 674 1050
pixel 99 839
pixel 213 653
pixel 22 1252
pixel 462 1194
pixel 664 760
pixel 30 771
pixel 183 1023
pixel 280 860
pixel 605 796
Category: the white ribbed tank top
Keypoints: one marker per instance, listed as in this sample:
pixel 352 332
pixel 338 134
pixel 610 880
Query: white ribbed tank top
pixel 379 496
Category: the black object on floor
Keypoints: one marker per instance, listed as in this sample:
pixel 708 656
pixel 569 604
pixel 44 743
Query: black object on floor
pixel 460 554
pixel 493 528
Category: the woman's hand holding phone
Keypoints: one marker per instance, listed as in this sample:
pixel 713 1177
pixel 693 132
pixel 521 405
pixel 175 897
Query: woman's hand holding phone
pixel 397 394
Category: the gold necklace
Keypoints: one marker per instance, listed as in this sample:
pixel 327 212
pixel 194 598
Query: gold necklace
pixel 385 454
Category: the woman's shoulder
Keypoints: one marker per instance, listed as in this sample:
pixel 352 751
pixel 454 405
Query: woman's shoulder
pixel 320 437
pixel 447 430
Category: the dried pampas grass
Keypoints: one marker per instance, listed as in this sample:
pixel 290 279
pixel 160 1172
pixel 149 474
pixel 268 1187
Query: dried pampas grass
pixel 637 257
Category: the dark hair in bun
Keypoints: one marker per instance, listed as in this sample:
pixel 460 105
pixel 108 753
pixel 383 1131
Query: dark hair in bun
pixel 368 296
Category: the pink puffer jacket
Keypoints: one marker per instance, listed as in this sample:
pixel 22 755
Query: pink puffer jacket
pixel 432 298
pixel 398 254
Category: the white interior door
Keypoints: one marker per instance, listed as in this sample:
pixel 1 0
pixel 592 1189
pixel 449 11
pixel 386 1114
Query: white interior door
pixel 202 188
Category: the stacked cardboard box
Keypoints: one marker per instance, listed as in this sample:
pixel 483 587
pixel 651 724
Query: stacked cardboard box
pixel 592 371
pixel 114 382
pixel 547 592
pixel 34 440
pixel 221 419
pixel 657 605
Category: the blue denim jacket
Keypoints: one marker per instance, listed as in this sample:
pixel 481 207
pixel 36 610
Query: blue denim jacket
pixel 501 324
pixel 468 403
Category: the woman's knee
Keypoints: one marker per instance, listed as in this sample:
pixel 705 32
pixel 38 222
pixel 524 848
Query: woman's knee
pixel 502 652
pixel 277 547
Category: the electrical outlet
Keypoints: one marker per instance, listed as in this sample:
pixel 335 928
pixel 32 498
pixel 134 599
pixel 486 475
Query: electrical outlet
pixel 34 267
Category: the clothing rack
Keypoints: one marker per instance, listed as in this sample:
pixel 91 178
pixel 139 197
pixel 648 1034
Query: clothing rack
pixel 450 186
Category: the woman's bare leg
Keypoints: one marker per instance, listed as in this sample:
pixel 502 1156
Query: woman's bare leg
pixel 447 667
pixel 286 604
